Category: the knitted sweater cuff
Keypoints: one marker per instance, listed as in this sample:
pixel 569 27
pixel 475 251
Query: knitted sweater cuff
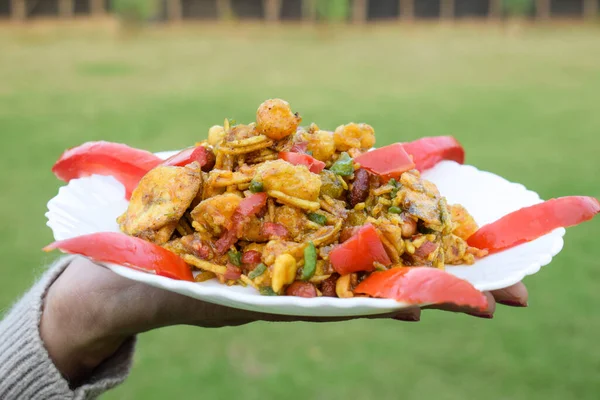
pixel 26 370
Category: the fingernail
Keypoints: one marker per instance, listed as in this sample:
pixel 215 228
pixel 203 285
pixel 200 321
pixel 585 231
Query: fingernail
pixel 482 315
pixel 513 303
pixel 408 318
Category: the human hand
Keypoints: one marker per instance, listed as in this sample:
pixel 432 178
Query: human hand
pixel 90 312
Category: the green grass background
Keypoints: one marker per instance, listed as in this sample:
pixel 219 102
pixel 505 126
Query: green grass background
pixel 524 105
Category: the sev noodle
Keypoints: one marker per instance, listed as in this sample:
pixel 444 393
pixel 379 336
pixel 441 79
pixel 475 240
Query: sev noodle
pixel 294 201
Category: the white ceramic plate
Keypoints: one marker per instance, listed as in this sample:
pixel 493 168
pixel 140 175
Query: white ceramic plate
pixel 92 204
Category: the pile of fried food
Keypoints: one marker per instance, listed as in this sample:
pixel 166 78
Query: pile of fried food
pixel 298 210
pixel 302 211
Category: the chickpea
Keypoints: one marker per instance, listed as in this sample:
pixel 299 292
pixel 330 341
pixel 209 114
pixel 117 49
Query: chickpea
pixel 275 119
pixel 409 226
pixel 216 134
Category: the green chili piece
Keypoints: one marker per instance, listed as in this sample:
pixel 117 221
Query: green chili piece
pixel 267 291
pixel 258 271
pixel 235 257
pixel 256 187
pixel 344 166
pixel 394 210
pixel 317 218
pixel 310 261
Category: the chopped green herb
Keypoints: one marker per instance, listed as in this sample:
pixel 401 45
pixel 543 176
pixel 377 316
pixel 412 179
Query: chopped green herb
pixel 396 186
pixel 267 291
pixel 309 152
pixel 344 166
pixel 258 271
pixel 317 218
pixel 310 261
pixel 394 210
pixel 235 257
pixel 256 187
pixel 421 228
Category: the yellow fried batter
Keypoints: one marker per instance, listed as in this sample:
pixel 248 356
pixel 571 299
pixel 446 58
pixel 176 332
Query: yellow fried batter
pixel 357 136
pixel 159 201
pixel 465 224
pixel 293 180
pixel 321 144
pixel 215 213
pixel 275 119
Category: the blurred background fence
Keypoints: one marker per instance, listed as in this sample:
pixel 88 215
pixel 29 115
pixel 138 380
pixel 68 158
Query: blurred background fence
pixel 358 11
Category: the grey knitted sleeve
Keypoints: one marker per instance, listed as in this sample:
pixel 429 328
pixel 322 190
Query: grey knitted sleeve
pixel 26 370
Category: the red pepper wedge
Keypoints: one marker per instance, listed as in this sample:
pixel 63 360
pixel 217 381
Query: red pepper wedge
pixel 428 151
pixel 126 164
pixel 314 165
pixel 199 154
pixel 530 223
pixel 129 251
pixel 389 161
pixel 359 252
pixel 422 285
pixel 248 207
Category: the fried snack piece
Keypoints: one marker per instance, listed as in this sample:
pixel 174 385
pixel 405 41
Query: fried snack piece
pixel 293 180
pixel 465 224
pixel 214 214
pixel 275 119
pixel 159 201
pixel 357 136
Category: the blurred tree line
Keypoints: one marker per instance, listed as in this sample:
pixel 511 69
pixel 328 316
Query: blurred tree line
pixel 140 11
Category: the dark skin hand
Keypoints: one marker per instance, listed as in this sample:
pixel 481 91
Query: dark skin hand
pixel 90 312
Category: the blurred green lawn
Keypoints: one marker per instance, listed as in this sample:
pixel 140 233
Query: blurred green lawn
pixel 524 106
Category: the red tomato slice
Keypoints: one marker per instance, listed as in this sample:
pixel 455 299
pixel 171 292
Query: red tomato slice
pixel 232 272
pixel 530 223
pixel 126 250
pixel 429 151
pixel 389 161
pixel 422 285
pixel 198 154
pixel 312 163
pixel 248 207
pixel 299 147
pixel 252 204
pixel 274 230
pixel 124 163
pixel 359 252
